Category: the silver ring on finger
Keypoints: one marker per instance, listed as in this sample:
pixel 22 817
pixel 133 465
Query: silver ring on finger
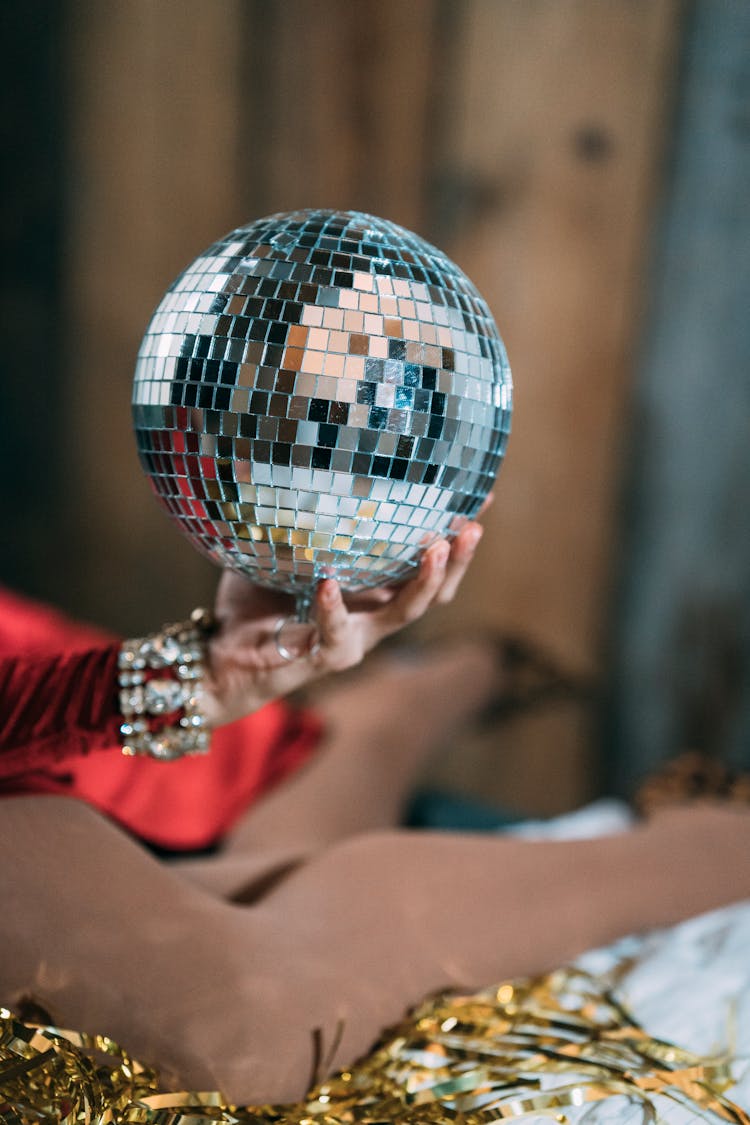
pixel 284 652
pixel 288 654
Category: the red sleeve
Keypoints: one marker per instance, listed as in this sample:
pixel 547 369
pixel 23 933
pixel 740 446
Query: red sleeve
pixel 54 707
pixel 58 700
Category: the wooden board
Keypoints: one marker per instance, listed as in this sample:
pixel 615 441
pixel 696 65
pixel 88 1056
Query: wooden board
pixel 154 179
pixel 556 137
pixel 551 158
pixel 524 138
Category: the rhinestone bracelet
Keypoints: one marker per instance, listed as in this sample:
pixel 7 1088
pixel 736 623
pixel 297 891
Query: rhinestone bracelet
pixel 159 681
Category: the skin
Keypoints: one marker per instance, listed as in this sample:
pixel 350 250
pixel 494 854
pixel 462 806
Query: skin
pixel 221 995
pixel 319 917
pixel 246 670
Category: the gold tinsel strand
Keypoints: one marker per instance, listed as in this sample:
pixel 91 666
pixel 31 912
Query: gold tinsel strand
pixel 522 1048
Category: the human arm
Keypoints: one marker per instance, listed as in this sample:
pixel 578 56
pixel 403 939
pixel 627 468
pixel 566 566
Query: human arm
pixel 56 704
pixel 245 667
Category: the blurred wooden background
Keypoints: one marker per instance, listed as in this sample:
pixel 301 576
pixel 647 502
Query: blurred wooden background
pixel 528 140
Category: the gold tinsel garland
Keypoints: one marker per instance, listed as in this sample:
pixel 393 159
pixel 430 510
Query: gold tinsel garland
pixel 523 1048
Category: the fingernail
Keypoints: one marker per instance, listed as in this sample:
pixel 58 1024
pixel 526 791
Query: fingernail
pixel 473 536
pixel 440 553
pixel 328 593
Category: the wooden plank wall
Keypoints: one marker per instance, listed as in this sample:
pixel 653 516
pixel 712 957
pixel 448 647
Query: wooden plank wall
pixel 154 179
pixel 524 138
pixel 554 143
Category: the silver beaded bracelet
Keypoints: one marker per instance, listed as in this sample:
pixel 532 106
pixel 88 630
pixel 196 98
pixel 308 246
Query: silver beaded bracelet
pixel 160 676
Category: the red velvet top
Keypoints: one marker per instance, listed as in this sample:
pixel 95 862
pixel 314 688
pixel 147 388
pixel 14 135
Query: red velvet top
pixel 58 703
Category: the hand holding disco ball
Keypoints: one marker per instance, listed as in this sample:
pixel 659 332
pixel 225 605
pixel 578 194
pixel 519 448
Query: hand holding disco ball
pixel 321 394
pixel 260 653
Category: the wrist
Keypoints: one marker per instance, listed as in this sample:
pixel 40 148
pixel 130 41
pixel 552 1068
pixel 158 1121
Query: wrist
pixel 209 691
pixel 225 694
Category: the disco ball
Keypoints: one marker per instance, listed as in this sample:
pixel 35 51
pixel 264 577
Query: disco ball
pixel 321 393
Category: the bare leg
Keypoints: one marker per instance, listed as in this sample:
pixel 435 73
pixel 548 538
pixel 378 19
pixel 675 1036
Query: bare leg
pixel 381 727
pixel 228 996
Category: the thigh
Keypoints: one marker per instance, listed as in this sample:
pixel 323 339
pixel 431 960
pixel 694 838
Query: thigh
pixel 108 939
pixel 419 911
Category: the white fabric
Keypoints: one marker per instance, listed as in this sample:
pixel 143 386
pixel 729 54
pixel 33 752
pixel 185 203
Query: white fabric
pixel 601 818
pixel 689 984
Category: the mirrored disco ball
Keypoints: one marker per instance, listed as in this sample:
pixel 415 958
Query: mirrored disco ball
pixel 321 393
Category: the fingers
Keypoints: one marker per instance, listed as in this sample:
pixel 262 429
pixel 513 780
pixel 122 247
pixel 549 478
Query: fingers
pixel 462 552
pixel 331 614
pixel 371 598
pixel 413 599
pixel 344 637
pixel 239 598
pixel 345 633
pixel 440 574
